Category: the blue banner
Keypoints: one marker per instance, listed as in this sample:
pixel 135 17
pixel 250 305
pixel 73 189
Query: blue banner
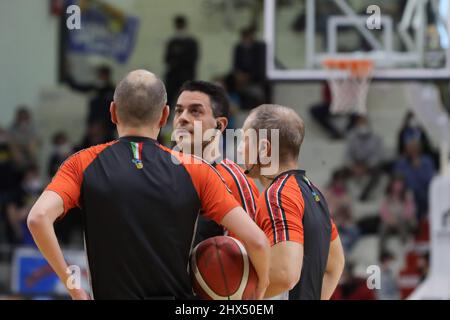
pixel 104 31
pixel 33 275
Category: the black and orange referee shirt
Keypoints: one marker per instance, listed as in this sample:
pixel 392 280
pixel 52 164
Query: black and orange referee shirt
pixel 293 209
pixel 140 202
pixel 244 191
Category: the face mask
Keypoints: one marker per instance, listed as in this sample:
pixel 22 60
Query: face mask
pixel 413 123
pixel 23 125
pixel 363 130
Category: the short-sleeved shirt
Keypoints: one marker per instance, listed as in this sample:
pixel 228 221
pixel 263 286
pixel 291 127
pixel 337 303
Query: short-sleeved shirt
pixel 244 191
pixel 140 203
pixel 293 209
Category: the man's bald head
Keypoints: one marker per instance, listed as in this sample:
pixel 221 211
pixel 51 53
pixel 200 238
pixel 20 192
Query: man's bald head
pixel 291 127
pixel 140 98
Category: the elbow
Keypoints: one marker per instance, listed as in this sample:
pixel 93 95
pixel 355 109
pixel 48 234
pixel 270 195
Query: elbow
pixel 289 283
pixel 286 280
pixel 258 243
pixel 35 220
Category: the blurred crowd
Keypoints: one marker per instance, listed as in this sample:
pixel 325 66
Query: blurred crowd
pixel 376 196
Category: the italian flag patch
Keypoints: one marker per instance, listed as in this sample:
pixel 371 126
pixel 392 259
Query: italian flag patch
pixel 136 149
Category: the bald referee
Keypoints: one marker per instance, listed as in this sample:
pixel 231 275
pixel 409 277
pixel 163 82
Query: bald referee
pixel 307 258
pixel 140 203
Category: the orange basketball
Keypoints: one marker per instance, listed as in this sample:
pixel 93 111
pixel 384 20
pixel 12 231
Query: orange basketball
pixel 222 270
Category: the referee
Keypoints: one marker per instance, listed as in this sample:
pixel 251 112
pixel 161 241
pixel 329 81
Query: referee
pixel 207 104
pixel 140 203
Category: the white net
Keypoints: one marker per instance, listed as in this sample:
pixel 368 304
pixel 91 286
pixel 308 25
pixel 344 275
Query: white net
pixel 349 81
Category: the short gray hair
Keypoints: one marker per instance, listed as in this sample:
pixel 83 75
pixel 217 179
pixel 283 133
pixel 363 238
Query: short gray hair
pixel 140 98
pixel 290 125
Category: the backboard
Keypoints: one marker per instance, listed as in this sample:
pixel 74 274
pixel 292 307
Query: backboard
pixel 406 39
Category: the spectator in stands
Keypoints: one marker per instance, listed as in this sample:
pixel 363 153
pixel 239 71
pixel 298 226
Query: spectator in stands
pixel 364 155
pixel 348 230
pixel 418 170
pixel 181 57
pixel 389 289
pixel 249 70
pixel 96 134
pixel 9 181
pixel 61 149
pixel 337 194
pixel 397 211
pixel 25 136
pixel 412 129
pixel 103 92
pixel 19 206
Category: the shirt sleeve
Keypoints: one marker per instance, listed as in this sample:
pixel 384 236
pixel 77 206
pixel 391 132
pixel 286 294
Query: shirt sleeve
pixel 215 197
pixel 243 189
pixel 334 231
pixel 67 182
pixel 69 177
pixel 280 215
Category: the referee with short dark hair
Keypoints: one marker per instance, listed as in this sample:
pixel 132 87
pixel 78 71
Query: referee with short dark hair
pixel 140 203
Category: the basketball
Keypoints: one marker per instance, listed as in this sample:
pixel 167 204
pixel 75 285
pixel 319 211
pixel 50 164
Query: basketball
pixel 221 270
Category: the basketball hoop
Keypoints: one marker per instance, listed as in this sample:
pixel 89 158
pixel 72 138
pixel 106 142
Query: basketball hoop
pixel 350 86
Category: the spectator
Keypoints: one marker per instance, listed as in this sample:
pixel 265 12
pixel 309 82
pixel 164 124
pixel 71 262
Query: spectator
pixel 348 230
pixel 249 70
pixel 96 134
pixel 397 211
pixel 337 194
pixel 411 129
pixel 61 149
pixel 18 207
pixel 418 170
pixel 388 284
pixel 25 136
pixel 364 155
pixel 103 90
pixel 181 58
pixel 9 181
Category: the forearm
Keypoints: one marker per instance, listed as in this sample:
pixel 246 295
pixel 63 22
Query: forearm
pixel 334 269
pixel 329 284
pixel 259 255
pixel 45 238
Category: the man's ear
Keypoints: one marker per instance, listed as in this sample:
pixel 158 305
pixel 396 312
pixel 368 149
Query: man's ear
pixel 164 116
pixel 264 150
pixel 113 111
pixel 222 123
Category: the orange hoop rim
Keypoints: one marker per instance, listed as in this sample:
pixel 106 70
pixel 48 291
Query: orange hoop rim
pixel 356 67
